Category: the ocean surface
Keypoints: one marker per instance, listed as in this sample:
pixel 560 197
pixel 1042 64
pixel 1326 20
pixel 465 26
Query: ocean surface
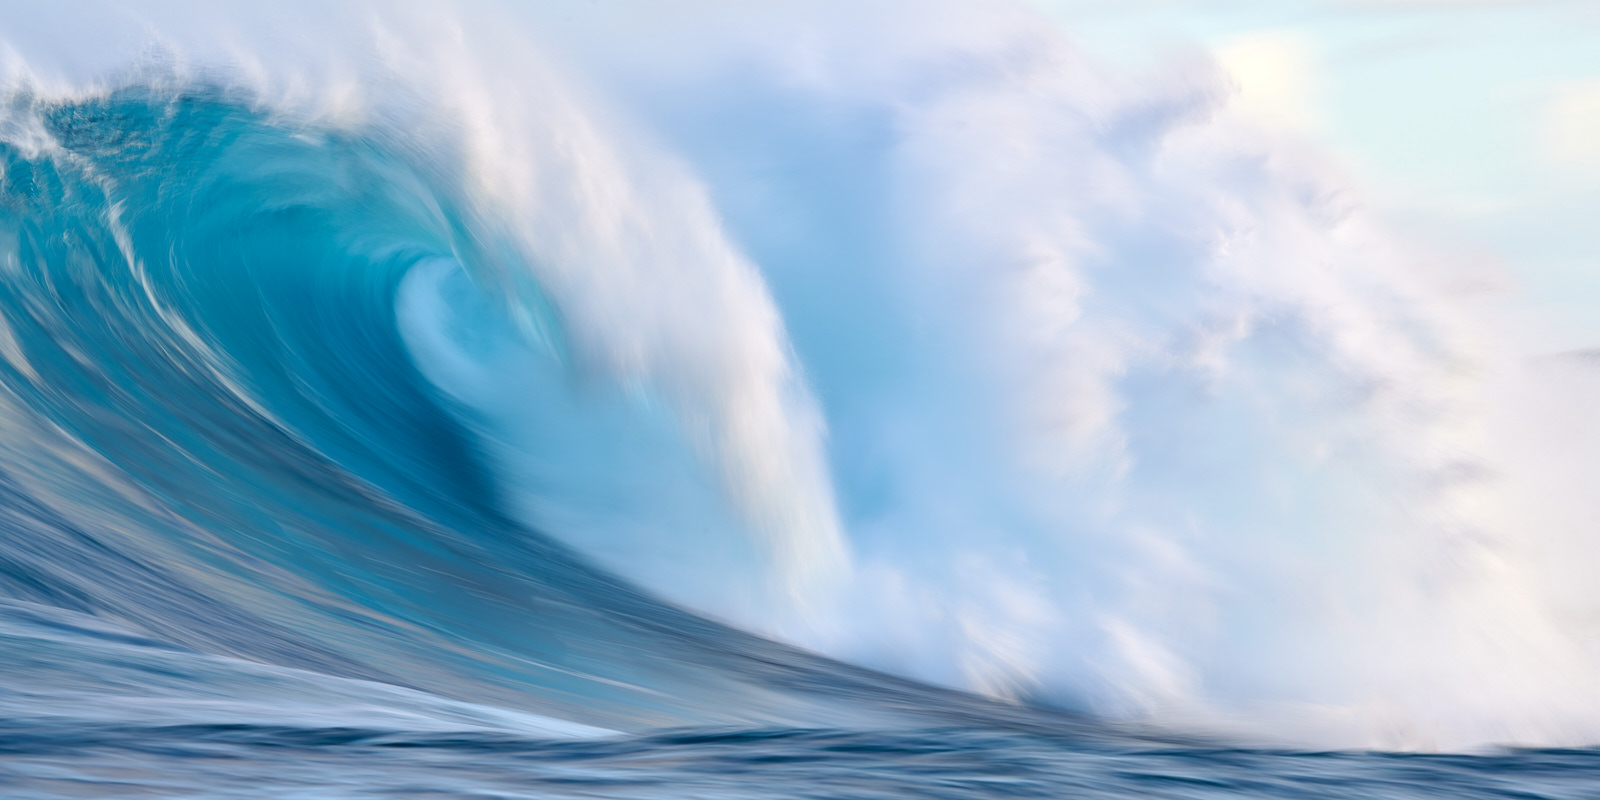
pixel 520 401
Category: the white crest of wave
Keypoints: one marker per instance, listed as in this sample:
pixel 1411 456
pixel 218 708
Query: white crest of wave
pixel 1129 406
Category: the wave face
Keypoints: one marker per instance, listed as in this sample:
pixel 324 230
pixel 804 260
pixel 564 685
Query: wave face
pixel 218 435
pixel 527 378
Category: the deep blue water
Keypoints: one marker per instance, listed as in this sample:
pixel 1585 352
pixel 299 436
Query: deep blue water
pixel 247 761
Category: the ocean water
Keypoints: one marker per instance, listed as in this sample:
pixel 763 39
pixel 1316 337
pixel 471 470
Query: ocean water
pixel 815 400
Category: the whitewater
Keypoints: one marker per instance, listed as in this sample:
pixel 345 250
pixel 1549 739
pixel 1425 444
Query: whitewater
pixel 810 399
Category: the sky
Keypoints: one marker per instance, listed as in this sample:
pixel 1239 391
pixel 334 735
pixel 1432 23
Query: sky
pixel 1475 124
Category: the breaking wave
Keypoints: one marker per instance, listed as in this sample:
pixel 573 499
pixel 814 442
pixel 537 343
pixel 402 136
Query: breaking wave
pixel 522 362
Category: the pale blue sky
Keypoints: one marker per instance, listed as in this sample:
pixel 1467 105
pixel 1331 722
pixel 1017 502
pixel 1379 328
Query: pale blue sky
pixel 1473 122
